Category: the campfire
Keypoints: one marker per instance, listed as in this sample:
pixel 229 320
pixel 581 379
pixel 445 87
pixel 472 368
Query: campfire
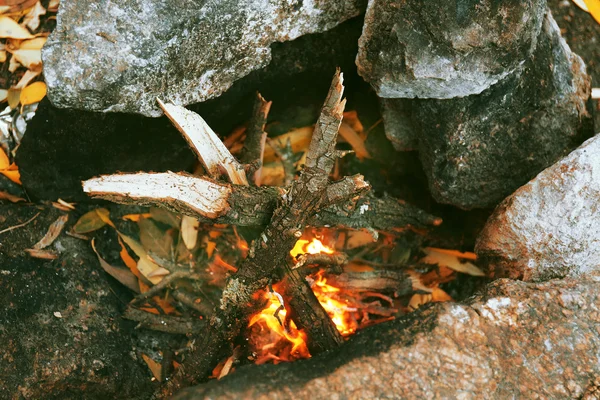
pixel 326 264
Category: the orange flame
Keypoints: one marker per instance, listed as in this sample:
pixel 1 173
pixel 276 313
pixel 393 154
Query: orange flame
pixel 281 339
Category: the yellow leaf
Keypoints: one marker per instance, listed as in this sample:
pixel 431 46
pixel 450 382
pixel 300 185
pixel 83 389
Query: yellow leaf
pixel 14 97
pixel 33 44
pixel 89 222
pixel 4 161
pixel 9 28
pixel 13 175
pixel 155 367
pixel 33 93
pixel 299 140
pixel 104 214
pixel 147 268
pixel 30 59
pixel 2 56
pixel 434 256
pixel 357 143
pixel 594 8
pixel 135 217
pixel 32 19
pixel 466 255
pixel 189 231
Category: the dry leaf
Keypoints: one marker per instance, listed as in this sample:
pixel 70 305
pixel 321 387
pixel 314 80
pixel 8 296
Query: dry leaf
pixel 53 5
pixel 63 205
pixel 3 56
pixel 43 254
pixel 89 222
pixel 33 44
pixel 155 239
pixel 124 276
pixel 33 93
pixel 147 268
pixel 357 143
pixel 299 141
pixel 10 197
pixel 13 64
pixel 160 272
pixel 466 255
pixel 13 97
pixel 189 231
pixel 135 217
pixel 30 59
pixel 594 8
pixel 53 231
pixel 581 4
pixel 32 19
pixel 12 174
pixel 434 256
pixel 155 367
pixel 4 161
pixel 351 118
pixel 166 217
pixel 9 28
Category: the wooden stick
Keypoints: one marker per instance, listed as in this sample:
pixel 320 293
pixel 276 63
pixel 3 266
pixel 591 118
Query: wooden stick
pixel 210 150
pixel 254 145
pixel 164 323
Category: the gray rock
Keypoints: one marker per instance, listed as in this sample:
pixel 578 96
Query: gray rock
pixel 445 49
pixel 478 149
pixel 399 128
pixel 518 340
pixel 551 226
pixel 121 55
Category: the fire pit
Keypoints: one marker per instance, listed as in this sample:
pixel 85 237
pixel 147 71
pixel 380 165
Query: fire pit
pixel 425 227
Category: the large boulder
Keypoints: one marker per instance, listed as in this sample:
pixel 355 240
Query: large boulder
pixel 121 55
pixel 478 149
pixel 445 49
pixel 517 340
pixel 551 226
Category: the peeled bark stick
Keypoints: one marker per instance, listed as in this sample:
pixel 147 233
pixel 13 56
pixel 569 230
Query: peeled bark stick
pixel 254 145
pixel 211 151
pixel 269 255
pixel 221 203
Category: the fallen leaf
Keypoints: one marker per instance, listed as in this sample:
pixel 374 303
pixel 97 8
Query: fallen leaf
pixel 581 4
pixel 43 254
pixel 63 205
pixel 89 222
pixel 594 8
pixel 135 217
pixel 166 217
pixel 53 5
pixel 12 174
pixel 9 28
pixel 10 197
pixel 53 231
pixel 357 143
pixel 57 314
pixel 13 97
pixel 132 265
pixel 147 268
pixel 189 231
pixel 30 59
pixel 299 140
pixel 124 276
pixel 351 119
pixel 466 255
pixel 155 239
pixel 155 367
pixel 3 92
pixel 160 272
pixel 434 256
pixel 32 19
pixel 33 93
pixel 4 161
pixel 13 65
pixel 33 44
